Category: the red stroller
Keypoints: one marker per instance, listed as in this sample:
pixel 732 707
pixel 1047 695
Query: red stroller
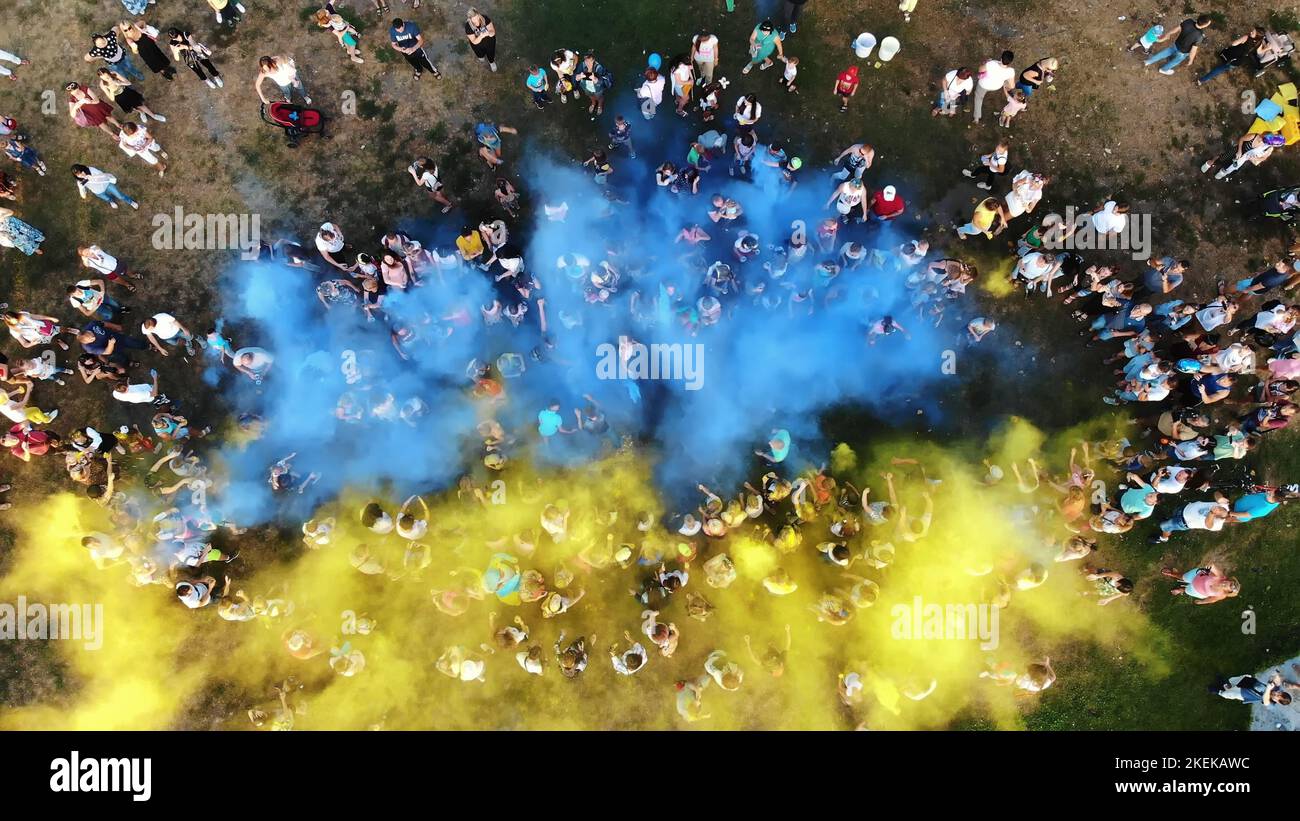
pixel 296 121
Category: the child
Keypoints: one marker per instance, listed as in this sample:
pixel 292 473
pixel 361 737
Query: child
pixel 600 162
pixel 1147 40
pixel 20 152
pixel 621 135
pixel 846 86
pixel 709 101
pixel 1016 103
pixel 791 71
pixel 538 83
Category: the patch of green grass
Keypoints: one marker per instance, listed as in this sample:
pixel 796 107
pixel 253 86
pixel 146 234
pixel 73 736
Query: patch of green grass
pixel 1283 21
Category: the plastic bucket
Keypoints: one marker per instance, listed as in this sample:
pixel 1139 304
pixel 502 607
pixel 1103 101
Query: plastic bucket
pixel 888 48
pixel 864 44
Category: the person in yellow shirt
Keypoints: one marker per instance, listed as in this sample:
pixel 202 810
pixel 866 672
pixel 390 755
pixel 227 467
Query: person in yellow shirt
pixel 470 244
pixel 989 219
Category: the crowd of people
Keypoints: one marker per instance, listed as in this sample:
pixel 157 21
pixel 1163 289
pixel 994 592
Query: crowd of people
pixel 1220 372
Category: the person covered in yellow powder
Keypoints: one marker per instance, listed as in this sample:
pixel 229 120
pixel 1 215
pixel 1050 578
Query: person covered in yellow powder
pixel 458 663
pixel 411 525
pixel 864 591
pixel 572 659
pixel 779 583
pixel 690 698
pixel 726 674
pixel 629 661
pixel 664 635
pixel 557 604
pixel 346 660
pixel 832 608
pixel 555 521
pixel 773 659
pixel 502 578
pixel 509 636
pixel 300 643
pixel 719 571
pixel 317 533
pixel 365 560
pixel 532 586
pixel 282 719
pixel 532 660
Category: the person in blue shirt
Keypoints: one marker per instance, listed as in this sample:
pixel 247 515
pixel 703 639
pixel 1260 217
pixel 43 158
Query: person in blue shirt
pixel 1261 503
pixel 1139 501
pixel 778 447
pixel 407 40
pixel 539 85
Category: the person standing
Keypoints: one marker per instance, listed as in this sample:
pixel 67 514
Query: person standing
pixel 425 173
pixel 107 47
pixel 651 93
pixel 792 9
pixel 142 39
pixel 539 84
pixel 282 71
pixel 196 56
pixel 88 111
pixel 705 53
pixel 91 180
pixel 621 135
pixel 1189 35
pixel 482 36
pixel 994 75
pixel 407 40
pixel 763 42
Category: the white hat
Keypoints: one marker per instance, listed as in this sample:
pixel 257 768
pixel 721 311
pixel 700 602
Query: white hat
pixel 889 193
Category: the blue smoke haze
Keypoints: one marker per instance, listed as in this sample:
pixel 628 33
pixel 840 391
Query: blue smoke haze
pixel 764 368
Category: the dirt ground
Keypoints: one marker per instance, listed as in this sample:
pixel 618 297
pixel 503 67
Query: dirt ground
pixel 1107 128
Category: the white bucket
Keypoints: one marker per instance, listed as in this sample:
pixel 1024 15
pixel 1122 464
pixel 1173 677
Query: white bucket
pixel 864 44
pixel 888 48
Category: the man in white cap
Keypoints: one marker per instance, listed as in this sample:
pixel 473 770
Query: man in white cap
pixel 886 204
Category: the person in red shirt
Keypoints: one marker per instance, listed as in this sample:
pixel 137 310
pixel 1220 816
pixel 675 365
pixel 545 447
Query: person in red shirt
pixel 25 442
pixel 886 204
pixel 846 85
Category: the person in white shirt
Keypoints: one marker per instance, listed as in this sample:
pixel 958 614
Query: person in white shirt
pixel 705 52
pixel 956 84
pixel 113 269
pixel 726 674
pixel 1111 218
pixel 282 71
pixel 630 660
pixel 329 242
pixel 91 180
pixel 425 173
pixel 994 75
pixel 138 393
pixel 136 141
pixel 651 93
pixel 164 327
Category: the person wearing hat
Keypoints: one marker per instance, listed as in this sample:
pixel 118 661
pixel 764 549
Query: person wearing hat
pixel 886 205
pixel 1251 148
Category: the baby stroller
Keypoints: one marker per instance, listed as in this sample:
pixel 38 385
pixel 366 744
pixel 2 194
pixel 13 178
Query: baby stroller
pixel 1282 45
pixel 1281 203
pixel 296 121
